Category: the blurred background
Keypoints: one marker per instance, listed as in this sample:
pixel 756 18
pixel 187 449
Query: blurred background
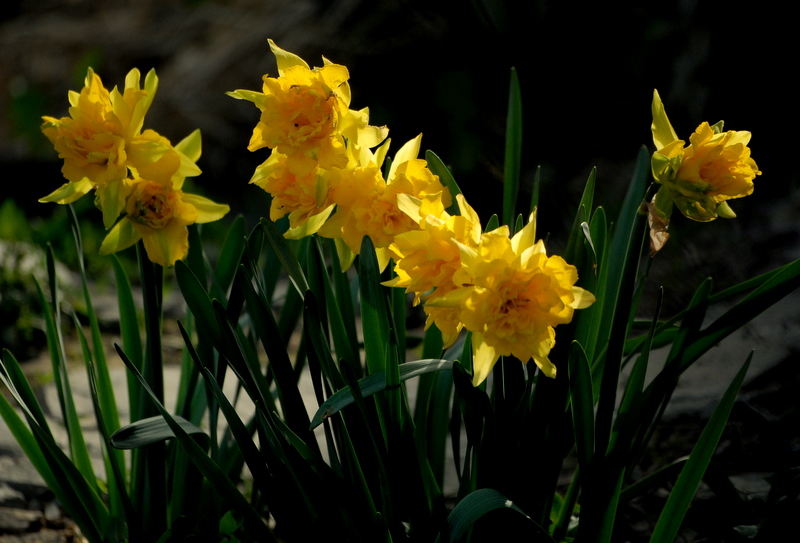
pixel 439 67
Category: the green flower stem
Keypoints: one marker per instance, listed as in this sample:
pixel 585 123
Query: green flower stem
pixel 150 475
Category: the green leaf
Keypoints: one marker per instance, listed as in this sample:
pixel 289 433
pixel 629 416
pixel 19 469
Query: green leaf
pixel 19 430
pixel 150 430
pixel 255 461
pixel 119 501
pixel 654 480
pixel 588 320
pixel 685 488
pixel 616 298
pixel 374 313
pixel 375 383
pixel 230 255
pixel 577 234
pixel 766 295
pixel 537 181
pixel 513 155
pixel 243 360
pixel 68 484
pixel 105 390
pixel 198 301
pixel 319 346
pixel 79 453
pixel 267 330
pixel 580 384
pixel 14 378
pixel 344 303
pixel 285 255
pixel 630 408
pixel 218 480
pixel 342 340
pixel 477 504
pixel 492 224
pixel 129 330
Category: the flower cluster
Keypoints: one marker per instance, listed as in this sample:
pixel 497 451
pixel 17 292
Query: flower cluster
pixel 326 173
pixel 700 177
pixel 322 171
pixel 135 173
pixel 505 290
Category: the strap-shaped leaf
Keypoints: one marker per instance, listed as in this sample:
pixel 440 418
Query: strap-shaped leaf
pixel 478 503
pixel 198 301
pixel 580 386
pixel 148 431
pixel 230 255
pixel 684 490
pixel 375 383
pixel 513 154
pixel 623 262
pixel 79 453
pixel 374 313
pixel 267 330
pixel 18 429
pixel 285 255
pixel 68 484
pixel 218 480
pixel 577 235
pixel 129 329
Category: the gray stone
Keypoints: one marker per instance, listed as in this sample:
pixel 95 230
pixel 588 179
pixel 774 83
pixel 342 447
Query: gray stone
pixel 10 497
pixel 17 521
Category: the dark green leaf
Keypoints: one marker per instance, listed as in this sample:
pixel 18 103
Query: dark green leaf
pixel 148 431
pixel 218 480
pixel 580 385
pixel 285 255
pixel 375 383
pixel 513 154
pixel 374 313
pixel 685 488
pixel 477 504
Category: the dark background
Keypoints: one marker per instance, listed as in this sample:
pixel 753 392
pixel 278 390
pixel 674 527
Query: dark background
pixel 440 67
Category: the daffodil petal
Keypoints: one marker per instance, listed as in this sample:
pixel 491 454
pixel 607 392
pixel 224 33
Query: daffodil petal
pixel 346 256
pixel 407 152
pixel 285 59
pixel 166 245
pixel 68 192
pixel 191 146
pixel 311 226
pixel 484 357
pixel 207 210
pixel 663 133
pixel 111 198
pixel 409 205
pixel 547 367
pixel 582 298
pixel 122 236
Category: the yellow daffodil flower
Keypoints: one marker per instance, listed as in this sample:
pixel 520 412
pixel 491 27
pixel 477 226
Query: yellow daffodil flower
pixel 305 114
pixel 158 215
pixel 91 141
pixel 102 141
pixel 511 295
pixel 701 177
pixel 366 205
pixel 305 198
pixel 426 259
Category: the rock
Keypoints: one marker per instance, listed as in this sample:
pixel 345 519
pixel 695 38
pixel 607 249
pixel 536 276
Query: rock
pixel 17 521
pixel 10 497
